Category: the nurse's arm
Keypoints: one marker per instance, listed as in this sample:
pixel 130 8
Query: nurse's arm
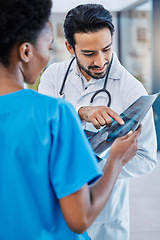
pixel 99 115
pixel 82 207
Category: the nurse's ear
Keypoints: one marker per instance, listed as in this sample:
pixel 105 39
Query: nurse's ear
pixel 26 52
pixel 69 48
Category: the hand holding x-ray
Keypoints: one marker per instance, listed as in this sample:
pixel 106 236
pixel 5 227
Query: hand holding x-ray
pixel 132 117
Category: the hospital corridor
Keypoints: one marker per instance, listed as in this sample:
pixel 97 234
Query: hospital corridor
pixel 145 206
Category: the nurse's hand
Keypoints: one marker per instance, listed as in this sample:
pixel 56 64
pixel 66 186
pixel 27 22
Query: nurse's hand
pixel 125 148
pixel 99 115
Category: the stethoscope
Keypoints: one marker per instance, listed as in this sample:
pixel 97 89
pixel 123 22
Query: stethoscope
pixel 98 91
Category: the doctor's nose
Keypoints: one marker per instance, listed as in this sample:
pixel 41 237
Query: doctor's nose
pixel 100 60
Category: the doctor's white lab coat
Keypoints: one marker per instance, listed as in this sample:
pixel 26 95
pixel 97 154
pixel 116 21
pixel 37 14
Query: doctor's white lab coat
pixel 113 221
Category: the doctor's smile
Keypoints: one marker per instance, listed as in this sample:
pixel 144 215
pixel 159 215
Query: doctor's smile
pixel 99 70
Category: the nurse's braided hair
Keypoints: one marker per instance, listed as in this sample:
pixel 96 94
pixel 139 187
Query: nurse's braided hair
pixel 86 18
pixel 21 20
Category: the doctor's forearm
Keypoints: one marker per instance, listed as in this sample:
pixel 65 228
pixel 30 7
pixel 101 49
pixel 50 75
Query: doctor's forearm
pixel 140 165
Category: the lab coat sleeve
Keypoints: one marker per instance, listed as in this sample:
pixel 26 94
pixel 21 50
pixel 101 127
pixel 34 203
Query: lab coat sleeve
pixel 47 83
pixel 146 158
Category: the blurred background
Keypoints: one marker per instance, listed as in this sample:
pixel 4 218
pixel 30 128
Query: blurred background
pixel 137 44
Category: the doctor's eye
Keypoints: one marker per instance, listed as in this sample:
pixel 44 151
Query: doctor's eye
pixel 106 50
pixel 89 54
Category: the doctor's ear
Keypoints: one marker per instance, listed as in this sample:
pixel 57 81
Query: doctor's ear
pixel 69 48
pixel 25 51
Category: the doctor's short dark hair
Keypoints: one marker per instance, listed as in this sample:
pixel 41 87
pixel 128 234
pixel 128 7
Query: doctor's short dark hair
pixel 20 21
pixel 86 18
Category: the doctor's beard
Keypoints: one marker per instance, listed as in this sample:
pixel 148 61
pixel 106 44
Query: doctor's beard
pixel 93 75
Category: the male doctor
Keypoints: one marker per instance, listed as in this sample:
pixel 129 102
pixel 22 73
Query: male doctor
pixel 89 35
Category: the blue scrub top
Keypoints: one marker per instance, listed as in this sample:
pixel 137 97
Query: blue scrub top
pixel 44 156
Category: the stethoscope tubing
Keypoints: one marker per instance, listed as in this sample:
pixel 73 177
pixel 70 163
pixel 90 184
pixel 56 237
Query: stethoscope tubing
pixel 65 77
pixel 104 87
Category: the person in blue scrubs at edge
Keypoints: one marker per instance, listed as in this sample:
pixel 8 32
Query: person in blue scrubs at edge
pixel 94 81
pixel 46 162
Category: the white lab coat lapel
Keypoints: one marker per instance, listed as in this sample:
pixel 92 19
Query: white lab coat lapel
pixel 73 87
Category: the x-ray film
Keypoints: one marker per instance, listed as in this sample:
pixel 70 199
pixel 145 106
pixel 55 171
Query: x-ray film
pixel 132 117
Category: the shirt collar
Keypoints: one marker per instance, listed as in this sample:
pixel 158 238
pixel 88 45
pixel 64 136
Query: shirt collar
pixel 116 68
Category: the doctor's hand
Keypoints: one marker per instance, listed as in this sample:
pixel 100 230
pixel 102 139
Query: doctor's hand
pixel 99 115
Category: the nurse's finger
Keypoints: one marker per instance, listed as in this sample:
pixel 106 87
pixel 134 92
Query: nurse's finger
pixel 137 133
pixel 133 135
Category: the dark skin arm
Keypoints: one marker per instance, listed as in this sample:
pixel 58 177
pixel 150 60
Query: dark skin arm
pixel 82 207
pixel 99 115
